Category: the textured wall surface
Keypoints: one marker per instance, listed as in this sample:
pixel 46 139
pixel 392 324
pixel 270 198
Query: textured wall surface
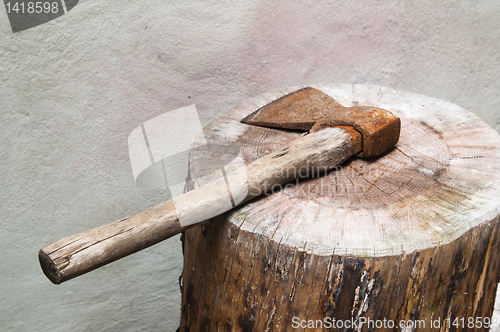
pixel 73 89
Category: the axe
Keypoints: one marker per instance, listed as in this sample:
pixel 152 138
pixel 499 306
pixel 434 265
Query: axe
pixel 336 133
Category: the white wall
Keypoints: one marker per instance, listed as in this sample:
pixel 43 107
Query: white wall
pixel 73 89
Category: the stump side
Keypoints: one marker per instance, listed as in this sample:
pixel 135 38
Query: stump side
pixel 236 281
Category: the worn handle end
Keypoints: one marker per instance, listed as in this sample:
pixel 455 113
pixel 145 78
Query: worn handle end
pixel 48 267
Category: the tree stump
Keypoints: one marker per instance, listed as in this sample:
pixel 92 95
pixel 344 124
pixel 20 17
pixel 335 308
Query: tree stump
pixel 406 241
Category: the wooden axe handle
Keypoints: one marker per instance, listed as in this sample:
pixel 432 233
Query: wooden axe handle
pixel 305 156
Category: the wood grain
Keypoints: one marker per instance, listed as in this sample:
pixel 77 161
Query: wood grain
pixel 412 235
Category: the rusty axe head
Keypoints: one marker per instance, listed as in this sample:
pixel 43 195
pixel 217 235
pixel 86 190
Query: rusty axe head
pixel 311 110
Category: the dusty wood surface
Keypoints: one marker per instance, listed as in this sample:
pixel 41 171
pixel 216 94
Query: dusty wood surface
pixel 410 236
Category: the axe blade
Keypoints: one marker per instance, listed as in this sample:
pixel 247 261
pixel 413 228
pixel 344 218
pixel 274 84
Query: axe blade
pixel 310 109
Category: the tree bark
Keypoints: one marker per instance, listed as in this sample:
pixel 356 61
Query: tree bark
pixel 410 237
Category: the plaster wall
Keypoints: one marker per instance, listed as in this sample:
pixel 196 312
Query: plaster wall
pixel 73 89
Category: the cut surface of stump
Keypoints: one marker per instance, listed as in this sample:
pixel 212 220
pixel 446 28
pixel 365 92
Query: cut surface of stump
pixel 410 237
